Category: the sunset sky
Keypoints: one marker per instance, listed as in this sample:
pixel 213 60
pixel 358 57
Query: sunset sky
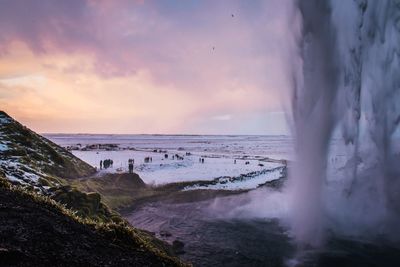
pixel 196 67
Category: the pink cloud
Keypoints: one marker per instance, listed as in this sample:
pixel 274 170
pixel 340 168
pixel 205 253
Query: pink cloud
pixel 230 64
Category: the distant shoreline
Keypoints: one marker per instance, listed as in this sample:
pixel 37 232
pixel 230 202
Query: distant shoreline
pixel 194 135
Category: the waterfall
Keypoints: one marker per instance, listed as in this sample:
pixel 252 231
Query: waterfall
pixel 346 86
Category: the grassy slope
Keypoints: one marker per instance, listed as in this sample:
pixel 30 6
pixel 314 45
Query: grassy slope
pixel 36 230
pixel 38 155
pixel 118 190
pixel 31 155
pixel 127 191
pixel 33 148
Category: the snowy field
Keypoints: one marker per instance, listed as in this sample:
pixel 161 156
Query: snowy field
pixel 224 156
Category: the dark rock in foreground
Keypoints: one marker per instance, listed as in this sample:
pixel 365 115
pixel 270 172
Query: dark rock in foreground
pixel 36 233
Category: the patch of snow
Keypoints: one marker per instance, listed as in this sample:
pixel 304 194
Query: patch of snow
pixel 4 120
pixel 252 182
pixel 12 178
pixel 3 147
pixel 16 171
pixel 32 177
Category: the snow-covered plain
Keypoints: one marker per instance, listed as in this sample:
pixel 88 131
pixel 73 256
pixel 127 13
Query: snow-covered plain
pixel 219 154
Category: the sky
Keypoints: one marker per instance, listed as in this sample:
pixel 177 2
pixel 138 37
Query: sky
pixel 178 67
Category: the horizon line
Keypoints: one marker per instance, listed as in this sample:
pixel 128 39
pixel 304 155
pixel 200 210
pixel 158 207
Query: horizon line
pixel 158 134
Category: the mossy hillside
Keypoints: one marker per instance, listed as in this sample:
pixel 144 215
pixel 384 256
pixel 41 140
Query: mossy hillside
pixel 86 205
pixel 38 154
pixel 125 192
pixel 118 191
pixel 119 233
pixel 39 165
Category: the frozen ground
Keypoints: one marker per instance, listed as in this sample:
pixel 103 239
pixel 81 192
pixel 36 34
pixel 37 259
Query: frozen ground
pixel 219 154
pixel 273 146
pixel 244 181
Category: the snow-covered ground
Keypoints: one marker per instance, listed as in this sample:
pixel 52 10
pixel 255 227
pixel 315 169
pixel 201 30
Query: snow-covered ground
pixel 219 154
pixel 11 166
pixel 273 146
pixel 3 147
pixel 243 182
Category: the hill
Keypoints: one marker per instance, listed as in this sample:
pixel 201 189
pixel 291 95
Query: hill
pixel 29 159
pixel 45 220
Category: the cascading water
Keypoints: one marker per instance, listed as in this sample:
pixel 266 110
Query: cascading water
pixel 348 81
pixel 313 101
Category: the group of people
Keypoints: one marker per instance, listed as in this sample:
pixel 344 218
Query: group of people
pixel 105 164
pixel 178 157
pixel 201 160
